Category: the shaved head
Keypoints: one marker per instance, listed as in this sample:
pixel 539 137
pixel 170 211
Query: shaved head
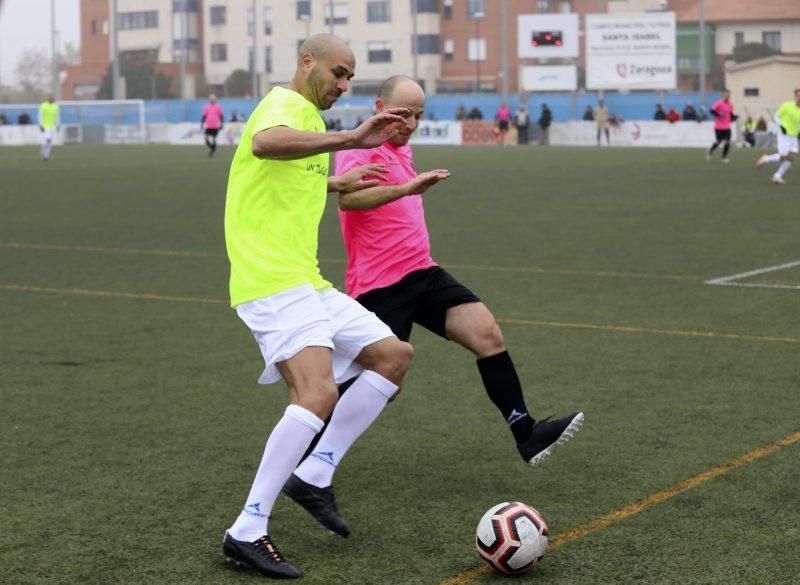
pixel 389 86
pixel 323 45
pixel 401 91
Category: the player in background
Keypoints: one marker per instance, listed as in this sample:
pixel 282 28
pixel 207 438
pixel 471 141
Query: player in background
pixel 722 110
pixel 390 272
pixel 788 118
pixel 602 118
pixel 212 122
pixel 48 124
pixel 309 333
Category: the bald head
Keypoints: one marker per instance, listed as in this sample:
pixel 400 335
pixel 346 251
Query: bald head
pixel 401 91
pixel 324 45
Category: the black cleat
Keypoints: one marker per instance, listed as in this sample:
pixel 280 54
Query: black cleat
pixel 319 502
pixel 261 555
pixel 546 434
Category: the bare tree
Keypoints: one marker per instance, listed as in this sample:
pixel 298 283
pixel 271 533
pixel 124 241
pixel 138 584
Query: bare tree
pixel 69 55
pixel 33 72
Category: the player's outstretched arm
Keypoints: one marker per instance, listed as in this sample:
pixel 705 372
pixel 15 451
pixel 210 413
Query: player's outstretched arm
pixel 284 143
pixel 373 197
pixel 358 178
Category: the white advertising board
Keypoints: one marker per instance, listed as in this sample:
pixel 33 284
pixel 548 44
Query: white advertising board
pixel 435 132
pixel 636 133
pixel 532 26
pixel 631 51
pixel 550 78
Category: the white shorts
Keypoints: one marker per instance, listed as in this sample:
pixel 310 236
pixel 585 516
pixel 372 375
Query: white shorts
pixel 285 323
pixel 787 144
pixel 48 134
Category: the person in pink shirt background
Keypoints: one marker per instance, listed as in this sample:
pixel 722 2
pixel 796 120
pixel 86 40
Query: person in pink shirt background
pixel 390 271
pixel 503 118
pixel 212 122
pixel 722 110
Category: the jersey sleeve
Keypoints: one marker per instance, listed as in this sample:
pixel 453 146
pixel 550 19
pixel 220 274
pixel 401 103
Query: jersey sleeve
pixel 347 160
pixel 279 112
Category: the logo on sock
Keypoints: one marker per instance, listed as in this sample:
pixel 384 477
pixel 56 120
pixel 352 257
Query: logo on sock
pixel 254 510
pixel 515 417
pixel 326 456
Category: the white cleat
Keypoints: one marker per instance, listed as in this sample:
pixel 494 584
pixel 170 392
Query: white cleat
pixel 778 181
pixel 725 160
pixel 761 161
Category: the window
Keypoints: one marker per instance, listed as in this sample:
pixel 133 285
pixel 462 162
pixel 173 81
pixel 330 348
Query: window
pixel 303 9
pixel 268 21
pixel 448 9
pixel 94 27
pixel 427 44
pixel 184 5
pixel 427 6
pixel 738 39
pixel 772 39
pixel 379 52
pixel 449 47
pixel 475 7
pixel 476 50
pixel 251 25
pixel 544 5
pixel 379 11
pixel 299 45
pixel 218 15
pixel 268 59
pixel 250 59
pixel 751 91
pixel 138 20
pixel 219 52
pixel 339 13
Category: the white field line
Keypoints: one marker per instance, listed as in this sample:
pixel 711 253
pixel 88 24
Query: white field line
pixel 732 280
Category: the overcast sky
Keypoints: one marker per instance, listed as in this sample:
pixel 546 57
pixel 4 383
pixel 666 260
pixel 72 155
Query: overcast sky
pixel 26 23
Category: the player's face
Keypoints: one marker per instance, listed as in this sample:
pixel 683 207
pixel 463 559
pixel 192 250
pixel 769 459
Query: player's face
pixel 411 97
pixel 726 95
pixel 330 77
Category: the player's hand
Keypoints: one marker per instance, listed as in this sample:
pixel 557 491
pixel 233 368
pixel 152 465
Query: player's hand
pixel 379 128
pixel 424 181
pixel 359 178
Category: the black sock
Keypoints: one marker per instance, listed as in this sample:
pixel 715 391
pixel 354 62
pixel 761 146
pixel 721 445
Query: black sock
pixel 713 147
pixel 504 390
pixel 725 149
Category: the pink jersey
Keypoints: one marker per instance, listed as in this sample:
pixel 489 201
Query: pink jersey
pixel 213 115
pixel 386 243
pixel 724 111
pixel 503 114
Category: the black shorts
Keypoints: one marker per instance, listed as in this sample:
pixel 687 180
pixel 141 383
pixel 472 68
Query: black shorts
pixel 212 131
pixel 421 297
pixel 722 135
pixel 503 126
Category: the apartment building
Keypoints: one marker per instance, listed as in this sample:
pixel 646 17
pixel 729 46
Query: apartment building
pixel 381 34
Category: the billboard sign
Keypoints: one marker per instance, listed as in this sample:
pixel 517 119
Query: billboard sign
pixel 547 35
pixel 631 51
pixel 550 78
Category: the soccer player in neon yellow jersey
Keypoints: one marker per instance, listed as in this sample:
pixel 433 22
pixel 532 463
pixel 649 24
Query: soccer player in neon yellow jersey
pixel 48 124
pixel 309 334
pixel 788 118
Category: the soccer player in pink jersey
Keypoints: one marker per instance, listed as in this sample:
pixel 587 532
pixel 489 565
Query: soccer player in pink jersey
pixel 722 110
pixel 390 272
pixel 212 122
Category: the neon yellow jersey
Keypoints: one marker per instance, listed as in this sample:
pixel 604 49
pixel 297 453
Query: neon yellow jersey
pixel 789 113
pixel 48 116
pixel 273 207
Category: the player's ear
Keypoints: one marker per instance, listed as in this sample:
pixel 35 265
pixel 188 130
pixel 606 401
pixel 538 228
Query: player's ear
pixel 380 105
pixel 307 62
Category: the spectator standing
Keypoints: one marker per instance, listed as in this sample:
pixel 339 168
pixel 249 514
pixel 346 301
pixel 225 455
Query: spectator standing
pixel 24 119
pixel 461 112
pixel 475 114
pixel 702 115
pixel 750 131
pixel 3 120
pixel 503 118
pixel 545 119
pixel 588 114
pixel 522 121
pixel 601 116
pixel 689 113
pixel 660 114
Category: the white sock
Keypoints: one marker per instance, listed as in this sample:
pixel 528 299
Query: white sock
pixel 358 407
pixel 773 158
pixel 286 444
pixel 783 168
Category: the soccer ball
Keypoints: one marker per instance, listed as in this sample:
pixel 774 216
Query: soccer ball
pixel 512 537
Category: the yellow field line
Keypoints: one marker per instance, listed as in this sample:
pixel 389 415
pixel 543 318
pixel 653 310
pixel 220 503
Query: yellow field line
pixel 623 329
pixel 511 269
pixel 635 508
pixel 551 324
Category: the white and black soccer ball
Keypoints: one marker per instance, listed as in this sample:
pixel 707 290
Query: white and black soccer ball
pixel 512 537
